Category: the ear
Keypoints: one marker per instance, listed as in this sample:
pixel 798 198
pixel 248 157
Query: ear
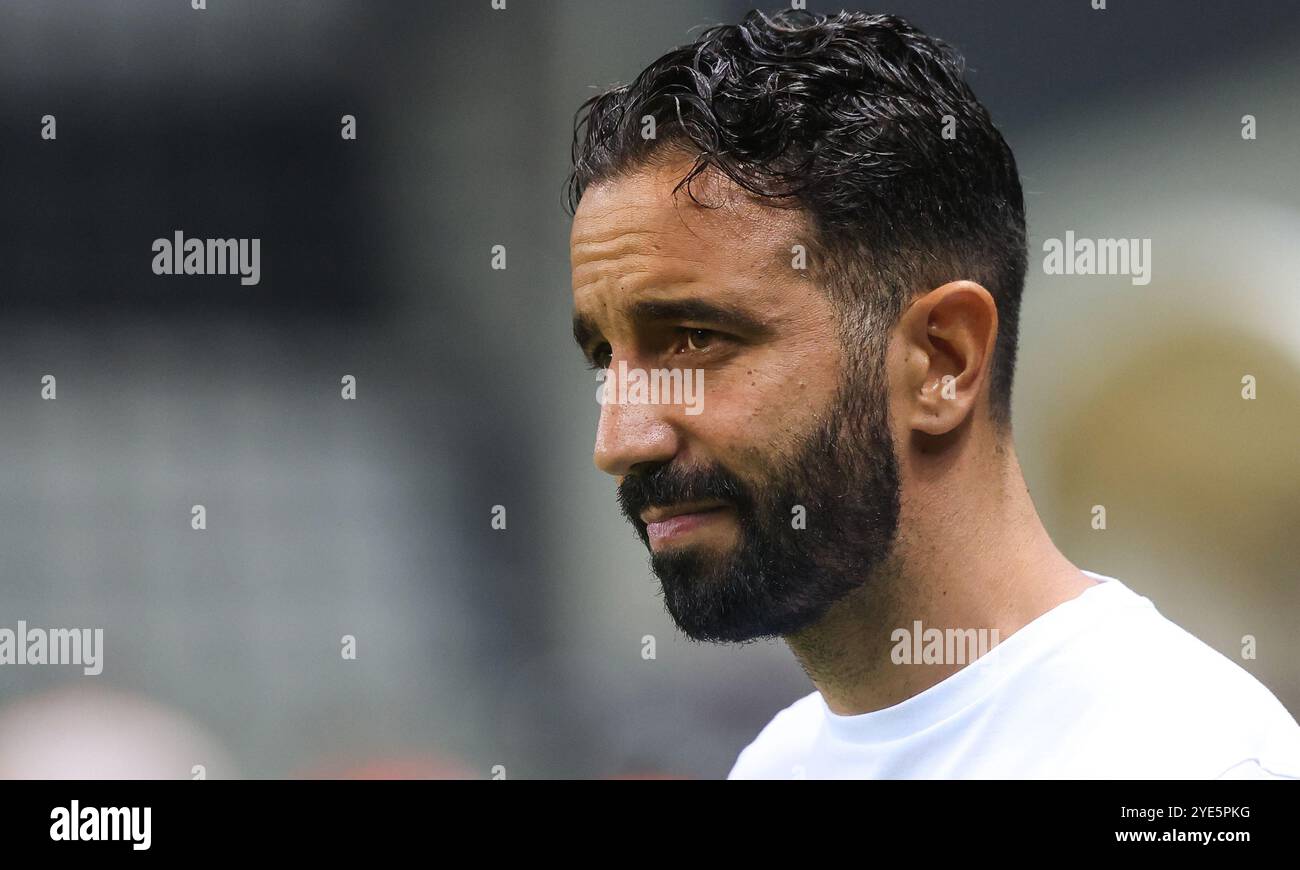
pixel 948 337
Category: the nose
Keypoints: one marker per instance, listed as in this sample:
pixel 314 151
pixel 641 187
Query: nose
pixel 631 435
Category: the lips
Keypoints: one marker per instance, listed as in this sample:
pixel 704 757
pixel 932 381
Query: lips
pixel 664 524
pixel 651 516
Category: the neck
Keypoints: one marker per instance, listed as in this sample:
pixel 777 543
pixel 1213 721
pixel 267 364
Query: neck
pixel 971 554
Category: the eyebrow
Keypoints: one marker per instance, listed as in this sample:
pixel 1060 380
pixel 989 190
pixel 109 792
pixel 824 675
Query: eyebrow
pixel 585 329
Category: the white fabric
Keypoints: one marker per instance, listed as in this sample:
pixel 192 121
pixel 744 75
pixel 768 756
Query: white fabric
pixel 1101 686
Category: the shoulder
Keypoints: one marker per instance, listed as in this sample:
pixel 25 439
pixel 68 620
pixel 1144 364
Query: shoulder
pixel 776 752
pixel 1185 707
pixel 1139 650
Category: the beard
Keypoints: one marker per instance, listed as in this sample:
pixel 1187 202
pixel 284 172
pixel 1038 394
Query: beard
pixel 780 578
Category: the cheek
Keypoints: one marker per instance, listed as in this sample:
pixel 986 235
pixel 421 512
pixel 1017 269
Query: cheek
pixel 763 404
pixel 902 363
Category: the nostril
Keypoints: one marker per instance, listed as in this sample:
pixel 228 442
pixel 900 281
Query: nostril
pixel 646 468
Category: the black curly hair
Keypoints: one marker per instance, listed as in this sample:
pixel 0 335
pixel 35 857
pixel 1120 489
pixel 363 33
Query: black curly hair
pixel 863 122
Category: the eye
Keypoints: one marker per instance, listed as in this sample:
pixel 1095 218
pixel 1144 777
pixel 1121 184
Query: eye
pixel 699 339
pixel 600 356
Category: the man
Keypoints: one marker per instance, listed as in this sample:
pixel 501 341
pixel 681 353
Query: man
pixel 817 217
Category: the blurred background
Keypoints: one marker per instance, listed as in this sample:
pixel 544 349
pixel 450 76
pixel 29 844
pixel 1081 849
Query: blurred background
pixel 482 651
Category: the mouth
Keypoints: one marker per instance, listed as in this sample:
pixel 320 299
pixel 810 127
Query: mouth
pixel 666 524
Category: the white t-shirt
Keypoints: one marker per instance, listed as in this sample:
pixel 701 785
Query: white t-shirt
pixel 1100 686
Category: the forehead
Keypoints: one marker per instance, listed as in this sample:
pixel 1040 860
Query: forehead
pixel 633 234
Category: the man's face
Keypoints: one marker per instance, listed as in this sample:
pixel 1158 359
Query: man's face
pixel 779 496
